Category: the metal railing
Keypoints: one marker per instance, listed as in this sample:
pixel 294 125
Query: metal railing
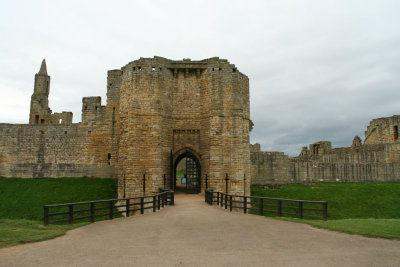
pixel 263 205
pixel 106 208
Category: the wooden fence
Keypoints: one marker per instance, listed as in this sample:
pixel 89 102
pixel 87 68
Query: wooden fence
pixel 267 205
pixel 72 212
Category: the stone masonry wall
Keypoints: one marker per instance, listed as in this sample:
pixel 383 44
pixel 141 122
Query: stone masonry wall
pixel 377 160
pixel 51 151
pixel 168 107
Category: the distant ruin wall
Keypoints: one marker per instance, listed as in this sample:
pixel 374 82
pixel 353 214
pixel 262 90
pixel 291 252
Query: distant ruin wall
pixel 53 151
pixel 368 163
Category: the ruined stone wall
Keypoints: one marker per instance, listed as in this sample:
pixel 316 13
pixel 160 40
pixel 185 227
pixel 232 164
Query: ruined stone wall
pixel 52 151
pixel 383 130
pixel 377 160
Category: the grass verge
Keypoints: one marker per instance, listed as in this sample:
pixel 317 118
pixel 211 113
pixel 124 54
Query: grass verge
pixel 15 232
pixel 385 228
pixel 22 201
pixel 357 208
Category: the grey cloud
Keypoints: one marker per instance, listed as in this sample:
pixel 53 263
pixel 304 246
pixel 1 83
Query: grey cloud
pixel 319 70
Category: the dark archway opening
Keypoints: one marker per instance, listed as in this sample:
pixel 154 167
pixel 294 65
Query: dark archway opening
pixel 187 173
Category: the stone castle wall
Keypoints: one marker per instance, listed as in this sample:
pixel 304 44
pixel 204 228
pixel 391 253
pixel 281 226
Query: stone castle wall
pixel 51 151
pixel 377 160
pixel 156 110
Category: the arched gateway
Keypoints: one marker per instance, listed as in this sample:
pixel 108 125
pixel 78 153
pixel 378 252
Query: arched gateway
pixel 190 182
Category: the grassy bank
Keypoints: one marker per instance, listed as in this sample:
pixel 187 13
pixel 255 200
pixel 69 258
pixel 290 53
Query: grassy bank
pixel 359 208
pixel 20 231
pixel 22 200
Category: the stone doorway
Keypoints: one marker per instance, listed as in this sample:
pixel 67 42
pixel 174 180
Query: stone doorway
pixel 187 173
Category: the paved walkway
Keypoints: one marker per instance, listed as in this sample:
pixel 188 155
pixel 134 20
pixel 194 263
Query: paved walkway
pixel 192 233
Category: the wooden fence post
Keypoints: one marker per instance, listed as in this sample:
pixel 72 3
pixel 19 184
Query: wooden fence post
pixel 127 207
pixel 71 213
pixel 301 210
pixel 92 212
pixel 280 208
pixel 46 216
pixel 230 203
pixel 261 207
pixel 245 204
pixel 111 210
pixel 172 198
pixel 325 208
pixel 154 204
pixel 141 205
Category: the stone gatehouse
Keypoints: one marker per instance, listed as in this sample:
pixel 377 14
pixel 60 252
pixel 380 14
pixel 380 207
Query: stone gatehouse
pixel 158 112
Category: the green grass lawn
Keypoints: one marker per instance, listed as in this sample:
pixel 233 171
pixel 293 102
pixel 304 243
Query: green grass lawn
pixel 20 231
pixel 360 208
pixel 22 200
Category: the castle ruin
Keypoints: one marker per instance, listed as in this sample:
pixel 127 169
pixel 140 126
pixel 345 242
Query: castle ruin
pixel 158 112
pixel 377 160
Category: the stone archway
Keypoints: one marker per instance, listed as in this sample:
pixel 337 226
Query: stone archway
pixel 191 181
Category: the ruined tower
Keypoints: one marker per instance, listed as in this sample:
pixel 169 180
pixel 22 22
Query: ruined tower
pixel 40 112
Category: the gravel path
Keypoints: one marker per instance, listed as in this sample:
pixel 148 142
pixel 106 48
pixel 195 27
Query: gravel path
pixel 192 233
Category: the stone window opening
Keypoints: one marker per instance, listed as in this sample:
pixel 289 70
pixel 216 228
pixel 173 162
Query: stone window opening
pixel 97 107
pixel 109 158
pixel 234 69
pixel 153 68
pixel 36 119
pixel 139 68
pixel 42 121
pixel 89 132
pixel 160 69
pixel 220 69
pixel 60 121
pixel 213 69
pixel 134 68
pixel 396 132
pixel 85 107
pixel 65 132
pixel 110 84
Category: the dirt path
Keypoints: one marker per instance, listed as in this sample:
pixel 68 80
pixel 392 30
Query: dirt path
pixel 191 233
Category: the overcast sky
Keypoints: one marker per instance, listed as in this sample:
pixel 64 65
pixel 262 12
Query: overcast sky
pixel 319 70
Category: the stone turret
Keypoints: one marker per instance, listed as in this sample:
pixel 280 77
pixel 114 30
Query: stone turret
pixel 40 112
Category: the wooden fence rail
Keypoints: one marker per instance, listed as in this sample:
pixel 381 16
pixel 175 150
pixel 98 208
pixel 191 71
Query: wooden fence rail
pixel 262 205
pixel 106 208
